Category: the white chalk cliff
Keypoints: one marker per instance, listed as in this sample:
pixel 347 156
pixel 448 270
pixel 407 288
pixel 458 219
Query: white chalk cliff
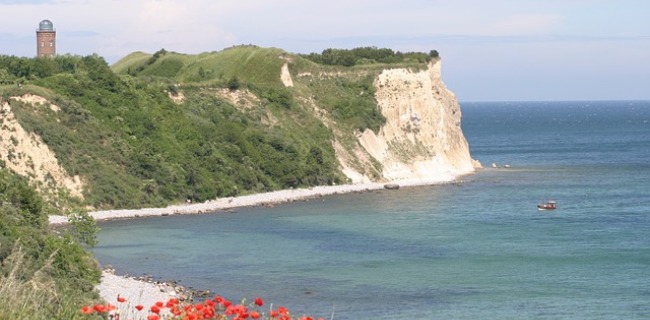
pixel 27 154
pixel 422 138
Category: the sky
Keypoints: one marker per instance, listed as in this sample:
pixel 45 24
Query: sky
pixel 492 50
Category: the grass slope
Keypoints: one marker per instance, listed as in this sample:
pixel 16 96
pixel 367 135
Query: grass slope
pixel 134 146
pixel 249 64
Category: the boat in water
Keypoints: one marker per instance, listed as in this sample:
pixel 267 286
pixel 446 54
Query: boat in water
pixel 548 205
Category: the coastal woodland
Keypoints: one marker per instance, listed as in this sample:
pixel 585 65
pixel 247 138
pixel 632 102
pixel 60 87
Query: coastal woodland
pixel 158 129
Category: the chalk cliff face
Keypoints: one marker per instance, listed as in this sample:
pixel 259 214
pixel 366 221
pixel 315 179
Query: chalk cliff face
pixel 422 138
pixel 26 154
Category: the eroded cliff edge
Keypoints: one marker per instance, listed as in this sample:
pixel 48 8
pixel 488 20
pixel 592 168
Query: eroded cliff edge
pixel 267 120
pixel 422 138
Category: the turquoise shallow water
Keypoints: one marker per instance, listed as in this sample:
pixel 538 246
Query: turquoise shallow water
pixel 476 250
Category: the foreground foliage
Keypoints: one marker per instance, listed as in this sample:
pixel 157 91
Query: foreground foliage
pixel 43 275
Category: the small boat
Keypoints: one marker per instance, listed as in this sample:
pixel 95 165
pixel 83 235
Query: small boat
pixel 548 205
pixel 391 186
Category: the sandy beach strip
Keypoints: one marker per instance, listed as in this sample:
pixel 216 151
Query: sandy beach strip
pixel 145 293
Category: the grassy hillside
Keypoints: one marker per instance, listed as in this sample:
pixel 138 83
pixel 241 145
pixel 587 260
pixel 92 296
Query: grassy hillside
pixel 135 58
pixel 133 146
pixel 161 128
pixel 249 64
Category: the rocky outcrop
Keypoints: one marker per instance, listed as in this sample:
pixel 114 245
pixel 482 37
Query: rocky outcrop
pixel 285 76
pixel 422 138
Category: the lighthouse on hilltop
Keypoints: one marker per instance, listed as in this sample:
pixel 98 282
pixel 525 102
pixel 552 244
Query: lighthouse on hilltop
pixel 45 39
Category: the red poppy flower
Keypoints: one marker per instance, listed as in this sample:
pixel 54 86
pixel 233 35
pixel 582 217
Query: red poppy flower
pixel 99 308
pixel 283 310
pixel 153 317
pixel 160 304
pixel 139 307
pixel 230 310
pixel 255 315
pixel 120 299
pixel 155 309
pixel 259 302
pixel 87 310
pixel 208 313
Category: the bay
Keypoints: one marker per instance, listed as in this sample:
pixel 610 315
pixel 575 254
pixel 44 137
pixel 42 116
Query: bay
pixel 477 249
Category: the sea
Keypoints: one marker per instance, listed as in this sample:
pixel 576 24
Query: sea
pixel 475 249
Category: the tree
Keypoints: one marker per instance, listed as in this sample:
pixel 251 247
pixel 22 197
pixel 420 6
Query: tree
pixel 84 229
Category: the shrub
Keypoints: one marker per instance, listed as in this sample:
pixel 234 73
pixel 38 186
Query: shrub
pixel 43 275
pixel 36 296
pixel 233 83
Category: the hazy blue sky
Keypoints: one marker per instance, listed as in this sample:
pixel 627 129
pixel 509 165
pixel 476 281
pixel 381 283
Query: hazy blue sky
pixel 491 49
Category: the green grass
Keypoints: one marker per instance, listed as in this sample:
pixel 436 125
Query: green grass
pixel 43 274
pixel 250 64
pixel 134 59
pixel 36 297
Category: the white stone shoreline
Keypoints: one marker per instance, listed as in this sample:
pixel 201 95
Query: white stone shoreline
pixel 146 293
pixel 268 198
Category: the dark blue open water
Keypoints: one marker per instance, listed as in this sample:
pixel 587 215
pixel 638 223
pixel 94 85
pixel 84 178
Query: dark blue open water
pixel 477 250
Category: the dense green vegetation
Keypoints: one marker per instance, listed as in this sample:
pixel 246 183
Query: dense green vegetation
pixel 368 55
pixel 135 147
pixel 43 275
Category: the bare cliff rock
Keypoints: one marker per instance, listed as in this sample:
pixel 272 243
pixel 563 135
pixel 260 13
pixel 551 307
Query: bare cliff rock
pixel 422 138
pixel 26 154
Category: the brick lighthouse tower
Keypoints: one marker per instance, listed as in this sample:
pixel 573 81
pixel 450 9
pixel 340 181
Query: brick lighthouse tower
pixel 45 39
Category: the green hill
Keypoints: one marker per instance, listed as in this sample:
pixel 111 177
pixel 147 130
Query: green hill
pixel 155 129
pixel 249 64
